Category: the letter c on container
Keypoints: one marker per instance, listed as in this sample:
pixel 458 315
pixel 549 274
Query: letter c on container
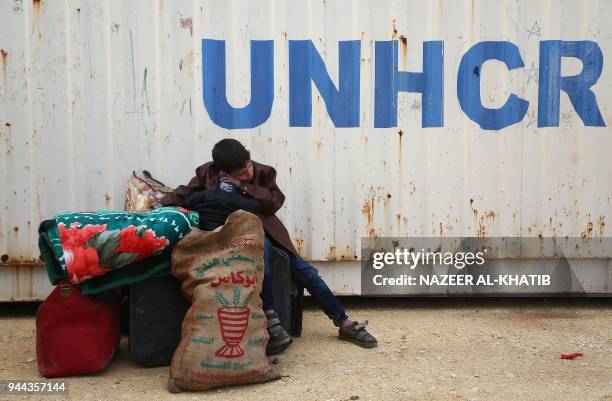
pixel 468 85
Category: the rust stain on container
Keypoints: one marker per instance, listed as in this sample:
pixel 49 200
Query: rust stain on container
pixel 601 223
pixel 404 50
pixel 37 4
pixel 474 210
pixel 394 36
pixel 553 228
pixel 412 190
pixel 482 231
pixel 485 219
pixel 9 138
pixel 490 215
pixel 400 133
pixel 386 200
pixel 347 254
pixel 588 231
pixel 368 209
pixel 189 59
pixel 331 253
pixel 4 55
pixel 107 200
pixel 19 261
pixel 299 244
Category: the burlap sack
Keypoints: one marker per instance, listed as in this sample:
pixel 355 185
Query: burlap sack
pixel 224 333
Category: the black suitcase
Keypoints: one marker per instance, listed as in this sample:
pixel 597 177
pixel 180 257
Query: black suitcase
pixel 281 282
pixel 297 308
pixel 288 295
pixel 157 309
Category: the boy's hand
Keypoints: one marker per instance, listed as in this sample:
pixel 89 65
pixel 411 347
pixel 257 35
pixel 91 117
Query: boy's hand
pixel 231 180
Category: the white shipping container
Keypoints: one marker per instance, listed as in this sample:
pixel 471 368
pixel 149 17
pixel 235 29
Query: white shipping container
pixel 92 90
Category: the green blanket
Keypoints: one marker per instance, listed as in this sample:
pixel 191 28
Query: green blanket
pixel 105 249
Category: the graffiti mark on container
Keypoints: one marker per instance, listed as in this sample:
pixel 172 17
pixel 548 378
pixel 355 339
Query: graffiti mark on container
pixel 187 23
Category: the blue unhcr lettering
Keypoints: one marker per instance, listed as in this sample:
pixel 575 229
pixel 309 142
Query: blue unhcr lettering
pixel 389 81
pixel 468 85
pixel 306 66
pixel 262 85
pixel 577 87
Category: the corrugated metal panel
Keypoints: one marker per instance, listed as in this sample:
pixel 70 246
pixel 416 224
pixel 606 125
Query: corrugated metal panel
pixel 91 90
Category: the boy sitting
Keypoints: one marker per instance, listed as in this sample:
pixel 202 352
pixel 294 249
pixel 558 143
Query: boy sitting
pixel 232 165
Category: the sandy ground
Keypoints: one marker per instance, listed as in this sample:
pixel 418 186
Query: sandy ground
pixel 429 349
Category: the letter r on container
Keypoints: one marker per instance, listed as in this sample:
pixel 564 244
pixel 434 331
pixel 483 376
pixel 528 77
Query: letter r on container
pixel 577 87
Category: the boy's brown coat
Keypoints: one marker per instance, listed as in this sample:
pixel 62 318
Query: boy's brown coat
pixel 261 187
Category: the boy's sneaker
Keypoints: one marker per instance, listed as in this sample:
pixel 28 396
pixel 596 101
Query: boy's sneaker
pixel 279 339
pixel 356 333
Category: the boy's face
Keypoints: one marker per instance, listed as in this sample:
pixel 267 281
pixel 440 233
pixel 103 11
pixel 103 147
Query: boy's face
pixel 245 173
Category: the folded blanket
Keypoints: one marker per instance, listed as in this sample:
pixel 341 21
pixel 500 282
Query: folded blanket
pixel 79 247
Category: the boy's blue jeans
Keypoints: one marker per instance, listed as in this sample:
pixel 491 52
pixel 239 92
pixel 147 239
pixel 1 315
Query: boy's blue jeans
pixel 309 277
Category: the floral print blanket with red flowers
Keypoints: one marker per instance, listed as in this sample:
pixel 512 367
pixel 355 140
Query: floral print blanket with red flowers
pixel 90 244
